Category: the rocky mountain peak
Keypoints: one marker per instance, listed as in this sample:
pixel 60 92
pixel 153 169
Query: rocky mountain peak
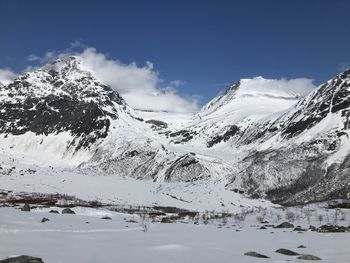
pixel 60 97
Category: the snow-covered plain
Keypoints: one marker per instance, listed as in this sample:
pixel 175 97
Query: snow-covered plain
pixel 89 185
pixel 85 237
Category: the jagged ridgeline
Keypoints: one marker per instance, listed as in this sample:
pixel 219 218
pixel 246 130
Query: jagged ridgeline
pixel 61 97
pixel 256 141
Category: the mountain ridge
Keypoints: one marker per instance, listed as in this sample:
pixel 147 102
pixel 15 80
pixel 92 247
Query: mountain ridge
pixel 251 139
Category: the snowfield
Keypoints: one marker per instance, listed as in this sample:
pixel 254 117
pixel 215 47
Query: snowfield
pixel 87 238
pixel 116 190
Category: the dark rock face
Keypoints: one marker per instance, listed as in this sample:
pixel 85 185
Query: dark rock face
pixel 332 97
pixel 157 124
pixel 182 136
pixel 137 162
pixel 232 131
pixel 22 259
pixel 296 173
pixel 272 171
pixel 315 184
pixel 61 97
pixel 185 169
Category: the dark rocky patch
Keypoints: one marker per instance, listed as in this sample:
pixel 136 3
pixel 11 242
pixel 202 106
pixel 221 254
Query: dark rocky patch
pixel 333 229
pixel 68 211
pixel 232 131
pixel 343 205
pixel 183 136
pixel 285 225
pixel 286 252
pixel 22 259
pixel 26 208
pixel 308 257
pixel 166 220
pixel 312 228
pixel 156 213
pixel 255 254
pixel 44 220
pixel 299 228
pixel 156 124
pixel 186 168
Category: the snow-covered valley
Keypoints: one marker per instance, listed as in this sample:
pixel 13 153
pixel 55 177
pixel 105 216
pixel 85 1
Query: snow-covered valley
pixel 198 185
pixel 85 237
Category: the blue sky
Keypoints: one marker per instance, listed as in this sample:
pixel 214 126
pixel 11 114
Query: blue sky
pixel 205 44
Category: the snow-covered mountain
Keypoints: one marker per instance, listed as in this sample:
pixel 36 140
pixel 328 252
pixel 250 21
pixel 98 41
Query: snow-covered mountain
pixel 62 113
pixel 304 153
pixel 255 139
pixel 242 105
pixel 57 110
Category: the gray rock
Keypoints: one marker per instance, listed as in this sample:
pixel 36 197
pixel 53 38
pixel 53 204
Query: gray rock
pixel 255 254
pixel 333 229
pixel 106 217
pixel 25 208
pixel 285 225
pixel 301 246
pixel 22 259
pixel 44 220
pixel 308 257
pixel 67 211
pixel 286 252
pixel 312 228
pixel 299 228
pixel 54 212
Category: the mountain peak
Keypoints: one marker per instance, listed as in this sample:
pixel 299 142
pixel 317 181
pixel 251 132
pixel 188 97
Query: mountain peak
pixel 60 97
pixel 70 67
pixel 255 91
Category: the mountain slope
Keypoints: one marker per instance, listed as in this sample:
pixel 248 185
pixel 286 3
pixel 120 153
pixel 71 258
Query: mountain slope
pixel 256 139
pixel 302 156
pixel 234 112
pixel 61 100
pixel 62 114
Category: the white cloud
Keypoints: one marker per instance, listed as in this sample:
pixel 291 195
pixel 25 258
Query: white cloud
pixel 141 87
pixel 278 87
pixel 33 57
pixel 77 44
pixel 177 83
pixel 6 76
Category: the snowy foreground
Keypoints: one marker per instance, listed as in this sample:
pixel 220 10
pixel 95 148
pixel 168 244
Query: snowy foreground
pixel 85 237
pixel 208 236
